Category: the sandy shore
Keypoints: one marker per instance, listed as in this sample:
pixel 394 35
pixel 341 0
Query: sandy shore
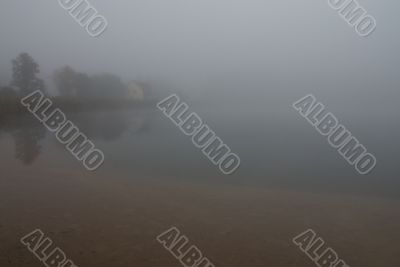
pixel 113 221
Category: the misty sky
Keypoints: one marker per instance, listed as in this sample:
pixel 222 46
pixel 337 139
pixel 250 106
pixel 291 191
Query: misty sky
pixel 247 51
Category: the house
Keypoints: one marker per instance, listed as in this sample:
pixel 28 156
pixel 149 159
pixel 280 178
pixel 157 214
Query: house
pixel 135 91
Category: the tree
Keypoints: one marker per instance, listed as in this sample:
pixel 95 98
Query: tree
pixel 25 70
pixel 83 85
pixel 71 83
pixel 108 86
pixel 65 81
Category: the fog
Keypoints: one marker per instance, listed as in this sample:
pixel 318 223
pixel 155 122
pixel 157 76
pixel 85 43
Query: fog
pixel 99 153
pixel 239 64
pixel 251 53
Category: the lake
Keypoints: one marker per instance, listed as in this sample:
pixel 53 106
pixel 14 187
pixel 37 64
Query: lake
pixel 286 153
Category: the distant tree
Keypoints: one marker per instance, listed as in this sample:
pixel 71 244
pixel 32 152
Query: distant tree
pixel 25 70
pixel 65 81
pixel 108 86
pixel 83 85
pixel 71 83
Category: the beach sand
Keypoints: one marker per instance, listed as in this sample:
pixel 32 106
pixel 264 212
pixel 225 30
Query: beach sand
pixel 112 221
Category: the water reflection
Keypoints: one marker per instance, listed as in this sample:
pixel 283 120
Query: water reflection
pixel 27 136
pixel 27 133
pixel 143 143
pixel 107 126
pixel 112 125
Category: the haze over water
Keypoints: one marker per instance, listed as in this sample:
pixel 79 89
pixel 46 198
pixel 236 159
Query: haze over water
pixel 287 153
pixel 238 64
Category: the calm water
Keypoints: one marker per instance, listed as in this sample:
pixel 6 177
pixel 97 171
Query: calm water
pixel 286 153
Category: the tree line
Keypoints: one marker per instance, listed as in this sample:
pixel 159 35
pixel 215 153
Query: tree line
pixel 75 89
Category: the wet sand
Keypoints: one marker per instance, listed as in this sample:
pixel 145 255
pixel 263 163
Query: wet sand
pixel 113 220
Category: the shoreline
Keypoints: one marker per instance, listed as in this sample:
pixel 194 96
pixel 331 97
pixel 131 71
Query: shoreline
pixel 100 221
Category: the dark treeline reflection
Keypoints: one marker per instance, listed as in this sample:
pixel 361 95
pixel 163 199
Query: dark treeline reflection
pixel 111 125
pixel 103 106
pixel 28 133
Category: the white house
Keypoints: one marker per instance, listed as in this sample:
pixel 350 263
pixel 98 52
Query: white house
pixel 135 91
